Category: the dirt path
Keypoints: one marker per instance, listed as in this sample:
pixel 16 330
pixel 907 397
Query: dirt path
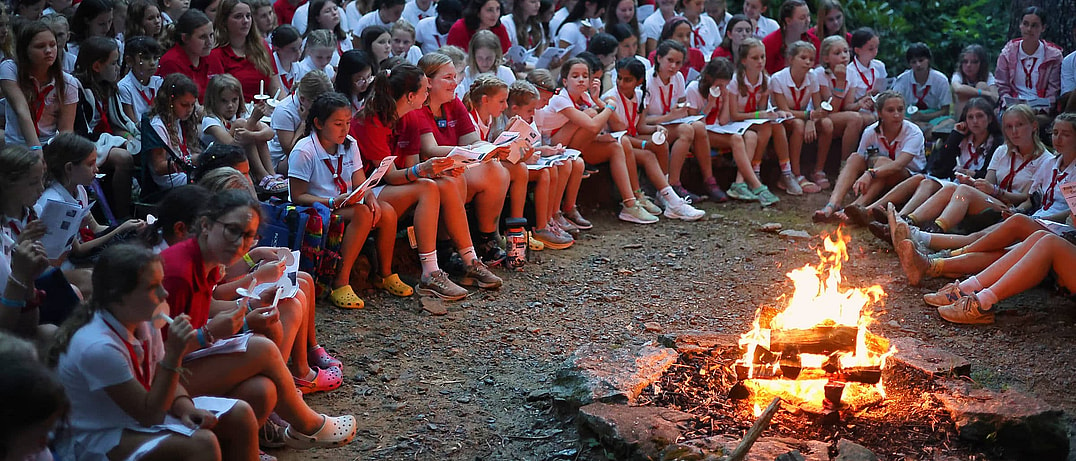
pixel 456 387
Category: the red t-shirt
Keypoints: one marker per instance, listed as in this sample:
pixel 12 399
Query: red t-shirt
pixel 189 285
pixel 775 50
pixel 223 60
pixel 695 60
pixel 720 52
pixel 175 61
pixel 377 141
pixel 285 11
pixel 446 131
pixel 459 35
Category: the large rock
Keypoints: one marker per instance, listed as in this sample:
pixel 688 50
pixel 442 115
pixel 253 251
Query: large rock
pixel 696 342
pixel 598 374
pixel 637 433
pixel 1022 424
pixel 926 359
pixel 851 451
pixel 764 449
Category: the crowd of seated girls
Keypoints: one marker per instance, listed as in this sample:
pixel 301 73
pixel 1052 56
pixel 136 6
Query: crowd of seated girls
pixel 195 110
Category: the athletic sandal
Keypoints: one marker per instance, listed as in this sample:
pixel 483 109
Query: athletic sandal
pixel 319 357
pixel 826 214
pixel 324 380
pixel 271 434
pixel 274 184
pixel 263 456
pixel 394 285
pixel 820 179
pixel 345 298
pixel 334 432
pixel 808 186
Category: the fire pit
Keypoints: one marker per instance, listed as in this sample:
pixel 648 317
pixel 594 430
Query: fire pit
pixel 817 351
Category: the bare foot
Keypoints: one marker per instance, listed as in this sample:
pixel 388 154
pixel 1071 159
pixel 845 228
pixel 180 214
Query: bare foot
pixel 897 226
pixel 914 263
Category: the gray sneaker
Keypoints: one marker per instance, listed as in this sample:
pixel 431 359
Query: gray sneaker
pixel 740 191
pixel 789 184
pixel 647 204
pixel 553 240
pixel 478 275
pixel 637 214
pixel 765 197
pixel 564 224
pixel 437 284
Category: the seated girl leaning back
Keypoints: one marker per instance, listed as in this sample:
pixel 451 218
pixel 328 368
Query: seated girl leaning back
pixel 170 157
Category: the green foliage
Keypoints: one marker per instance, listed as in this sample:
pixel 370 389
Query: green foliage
pixel 946 26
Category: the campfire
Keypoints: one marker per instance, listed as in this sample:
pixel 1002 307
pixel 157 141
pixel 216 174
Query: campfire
pixel 817 352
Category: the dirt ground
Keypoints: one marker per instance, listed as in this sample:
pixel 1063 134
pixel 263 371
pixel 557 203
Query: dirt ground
pixel 456 387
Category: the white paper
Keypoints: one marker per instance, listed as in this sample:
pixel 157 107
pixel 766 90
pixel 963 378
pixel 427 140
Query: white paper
pixel 288 282
pixel 618 134
pixel 520 136
pixel 62 221
pixel 549 55
pixel 1038 103
pixel 371 181
pixel 692 74
pixel 688 119
pixel 468 157
pixel 231 345
pixel 519 55
pixel 1069 191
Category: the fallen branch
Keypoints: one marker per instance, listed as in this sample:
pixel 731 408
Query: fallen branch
pixel 755 432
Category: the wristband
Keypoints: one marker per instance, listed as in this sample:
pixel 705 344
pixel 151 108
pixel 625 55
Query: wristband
pixel 201 338
pixel 13 303
pixel 610 107
pixel 249 260
pixel 35 147
pixel 807 115
pixel 756 114
pixel 407 174
pixel 245 326
pixel 980 91
pixel 414 171
pixel 209 339
pixel 644 145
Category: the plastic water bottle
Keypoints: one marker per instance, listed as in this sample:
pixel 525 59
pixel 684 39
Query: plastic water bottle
pixel 517 242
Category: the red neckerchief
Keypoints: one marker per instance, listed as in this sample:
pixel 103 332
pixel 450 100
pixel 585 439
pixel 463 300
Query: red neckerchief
pixel 286 81
pixel 869 83
pixel 104 125
pixel 752 96
pixel 339 49
pixel 711 117
pixel 31 217
pixel 341 185
pixel 478 124
pixel 1028 70
pixel 227 124
pixel 974 153
pixel 630 113
pixel 1013 170
pixel 148 99
pixel 797 97
pixel 42 93
pixel 141 372
pixel 699 41
pixel 666 104
pixel 438 39
pixel 919 98
pixel 890 147
pixel 582 104
pixel 1048 196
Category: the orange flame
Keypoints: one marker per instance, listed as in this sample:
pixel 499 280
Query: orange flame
pixel 818 299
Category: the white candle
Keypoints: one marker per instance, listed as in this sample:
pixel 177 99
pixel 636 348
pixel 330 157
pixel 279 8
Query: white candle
pixel 261 88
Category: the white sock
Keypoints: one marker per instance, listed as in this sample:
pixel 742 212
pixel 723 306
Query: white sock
pixel 670 196
pixel 987 299
pixel 971 285
pixel 429 262
pixel 468 256
pixel 919 236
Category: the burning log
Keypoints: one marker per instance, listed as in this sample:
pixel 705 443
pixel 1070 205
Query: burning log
pixel 831 404
pixel 818 340
pixel 790 363
pixel 865 375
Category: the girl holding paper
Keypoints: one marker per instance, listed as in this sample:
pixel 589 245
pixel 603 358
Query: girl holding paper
pixel 408 183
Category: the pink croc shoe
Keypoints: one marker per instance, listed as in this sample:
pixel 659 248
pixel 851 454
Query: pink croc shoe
pixel 320 358
pixel 334 432
pixel 324 380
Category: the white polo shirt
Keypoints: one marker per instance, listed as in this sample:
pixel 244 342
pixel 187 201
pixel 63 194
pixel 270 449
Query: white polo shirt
pixel 935 93
pixel 910 140
pixel 307 162
pixel 139 96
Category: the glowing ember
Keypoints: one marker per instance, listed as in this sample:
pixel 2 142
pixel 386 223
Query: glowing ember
pixel 821 337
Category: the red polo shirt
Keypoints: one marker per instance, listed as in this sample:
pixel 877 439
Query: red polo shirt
pixel 285 11
pixel 446 131
pixel 720 52
pixel 223 60
pixel 459 35
pixel 189 285
pixel 377 141
pixel 775 50
pixel 175 61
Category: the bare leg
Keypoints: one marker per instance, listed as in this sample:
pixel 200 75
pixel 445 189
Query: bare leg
pixel 966 200
pixel 542 213
pixel 682 140
pixel 202 445
pixel 487 185
pixel 899 192
pixel 517 188
pixel 825 130
pixel 575 180
pixel 359 223
pixel 1012 230
pixel 854 167
pixel 850 126
pixel 386 238
pixel 738 145
pixel 927 188
pixel 1028 264
pixel 257 171
pixel 795 128
pixel 701 148
pixel 932 207
pixel 453 217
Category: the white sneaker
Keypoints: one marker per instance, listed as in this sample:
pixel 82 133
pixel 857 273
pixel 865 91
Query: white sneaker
pixel 789 184
pixel 684 212
pixel 637 214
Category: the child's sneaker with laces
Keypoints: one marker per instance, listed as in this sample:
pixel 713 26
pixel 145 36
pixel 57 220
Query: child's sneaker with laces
pixel 556 229
pixel 553 240
pixel 740 191
pixel 565 224
pixel 648 205
pixel 714 191
pixel 686 194
pixel 948 294
pixel 789 184
pixel 684 212
pixel 480 276
pixel 438 285
pixel 577 219
pixel 636 214
pixel 765 197
pixel 966 310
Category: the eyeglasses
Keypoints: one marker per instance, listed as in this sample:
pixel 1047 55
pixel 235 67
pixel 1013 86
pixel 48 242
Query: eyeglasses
pixel 234 233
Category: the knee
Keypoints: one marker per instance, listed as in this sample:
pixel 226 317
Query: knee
pixel 291 311
pixel 263 349
pixel 204 444
pixel 388 215
pixel 825 125
pixel 428 188
pixel 241 417
pixel 120 158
